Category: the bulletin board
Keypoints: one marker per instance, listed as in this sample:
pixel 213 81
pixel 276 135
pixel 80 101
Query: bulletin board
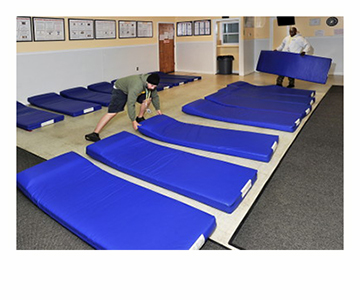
pixel 23 29
pixel 127 29
pixel 202 27
pixel 80 29
pixel 48 29
pixel 144 29
pixel 105 29
pixel 184 28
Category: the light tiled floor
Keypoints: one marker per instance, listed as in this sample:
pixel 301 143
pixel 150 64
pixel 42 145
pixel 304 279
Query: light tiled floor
pixel 68 135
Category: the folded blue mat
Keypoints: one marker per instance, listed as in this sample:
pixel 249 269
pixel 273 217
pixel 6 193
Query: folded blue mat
pixel 171 82
pixel 63 105
pixel 164 86
pixel 216 183
pixel 83 94
pixel 249 94
pixel 235 98
pixel 188 78
pixel 308 67
pixel 110 213
pixel 29 118
pixel 101 87
pixel 232 142
pixel 272 89
pixel 259 118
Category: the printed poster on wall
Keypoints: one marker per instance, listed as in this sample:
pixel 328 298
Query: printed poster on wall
pixel 184 28
pixel 48 29
pixel 144 29
pixel 105 29
pixel 81 29
pixel 127 29
pixel 23 29
pixel 202 27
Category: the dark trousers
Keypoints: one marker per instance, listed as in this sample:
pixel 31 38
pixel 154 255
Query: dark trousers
pixel 280 80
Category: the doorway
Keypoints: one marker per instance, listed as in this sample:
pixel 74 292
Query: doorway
pixel 234 49
pixel 166 47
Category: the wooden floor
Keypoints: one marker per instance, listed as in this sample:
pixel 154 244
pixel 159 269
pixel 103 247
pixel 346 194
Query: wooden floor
pixel 68 135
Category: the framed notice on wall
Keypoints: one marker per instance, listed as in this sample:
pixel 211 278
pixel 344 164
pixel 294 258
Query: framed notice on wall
pixel 144 29
pixel 81 29
pixel 184 28
pixel 23 29
pixel 202 27
pixel 105 29
pixel 127 29
pixel 48 29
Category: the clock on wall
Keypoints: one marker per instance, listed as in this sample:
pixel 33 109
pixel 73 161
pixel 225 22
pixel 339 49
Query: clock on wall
pixel 332 21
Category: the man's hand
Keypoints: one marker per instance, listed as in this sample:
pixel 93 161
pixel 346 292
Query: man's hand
pixel 159 112
pixel 135 125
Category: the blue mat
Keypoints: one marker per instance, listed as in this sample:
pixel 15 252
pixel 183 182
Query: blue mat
pixel 218 184
pixel 232 142
pixel 29 118
pixel 234 98
pixel 308 67
pixel 101 87
pixel 272 89
pixel 110 213
pixel 188 78
pixel 83 94
pixel 164 86
pixel 259 118
pixel 264 95
pixel 174 81
pixel 63 105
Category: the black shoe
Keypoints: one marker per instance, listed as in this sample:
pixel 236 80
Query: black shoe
pixel 139 120
pixel 290 86
pixel 92 137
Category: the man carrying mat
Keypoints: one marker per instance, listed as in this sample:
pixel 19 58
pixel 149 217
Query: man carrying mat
pixel 295 43
pixel 129 90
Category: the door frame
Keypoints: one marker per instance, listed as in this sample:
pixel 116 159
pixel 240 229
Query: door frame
pixel 157 44
pixel 241 43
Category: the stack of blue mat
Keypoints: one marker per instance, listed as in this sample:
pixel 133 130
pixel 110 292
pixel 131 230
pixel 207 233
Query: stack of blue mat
pixel 262 106
pixel 175 80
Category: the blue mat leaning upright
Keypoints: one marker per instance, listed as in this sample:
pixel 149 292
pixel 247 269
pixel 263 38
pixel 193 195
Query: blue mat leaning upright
pixel 110 213
pixel 216 183
pixel 245 116
pixel 83 94
pixel 29 118
pixel 245 144
pixel 71 107
pixel 308 67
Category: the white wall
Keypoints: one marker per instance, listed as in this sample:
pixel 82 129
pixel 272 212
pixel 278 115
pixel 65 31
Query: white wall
pixel 195 57
pixel 53 71
pixel 331 47
pixel 249 59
